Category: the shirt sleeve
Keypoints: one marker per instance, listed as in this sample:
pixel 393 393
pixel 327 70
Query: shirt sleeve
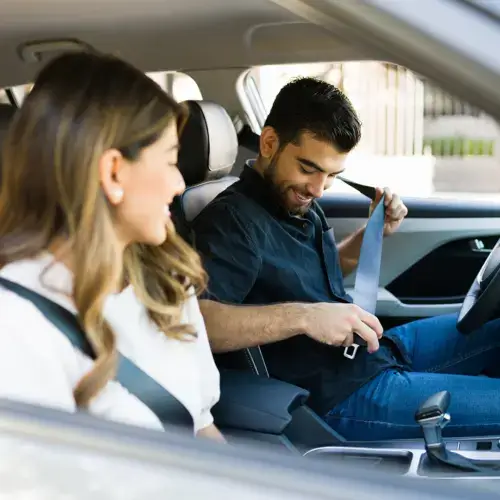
pixel 229 254
pixel 209 373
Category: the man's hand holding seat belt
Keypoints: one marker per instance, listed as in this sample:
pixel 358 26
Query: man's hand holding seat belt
pixel 386 214
pixel 369 262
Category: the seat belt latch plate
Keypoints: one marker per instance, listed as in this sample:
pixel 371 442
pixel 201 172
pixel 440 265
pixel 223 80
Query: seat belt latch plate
pixel 350 351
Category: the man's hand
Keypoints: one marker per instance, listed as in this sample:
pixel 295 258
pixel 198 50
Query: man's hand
pixel 335 324
pixel 395 210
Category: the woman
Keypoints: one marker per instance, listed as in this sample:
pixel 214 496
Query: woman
pixel 89 170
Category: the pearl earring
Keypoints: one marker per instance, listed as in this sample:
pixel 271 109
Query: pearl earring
pixel 118 195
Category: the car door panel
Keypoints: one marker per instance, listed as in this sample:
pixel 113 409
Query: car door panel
pixel 356 205
pixel 388 305
pixel 445 274
pixel 429 264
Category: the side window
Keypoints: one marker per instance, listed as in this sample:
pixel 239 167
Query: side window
pixel 19 92
pixel 416 138
pixel 179 85
pixel 3 97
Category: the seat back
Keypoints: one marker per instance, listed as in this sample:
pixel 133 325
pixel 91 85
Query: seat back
pixel 209 146
pixel 208 150
pixel 196 198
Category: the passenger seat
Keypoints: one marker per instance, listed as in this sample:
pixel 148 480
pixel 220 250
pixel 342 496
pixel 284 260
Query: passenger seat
pixel 208 150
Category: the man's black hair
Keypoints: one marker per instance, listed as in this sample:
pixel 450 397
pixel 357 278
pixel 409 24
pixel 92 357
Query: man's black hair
pixel 314 106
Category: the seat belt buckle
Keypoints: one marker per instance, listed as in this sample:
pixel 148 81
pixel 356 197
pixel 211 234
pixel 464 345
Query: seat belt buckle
pixel 350 351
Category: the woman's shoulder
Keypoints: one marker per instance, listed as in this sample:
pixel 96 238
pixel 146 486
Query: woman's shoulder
pixel 16 310
pixel 32 349
pixel 22 323
pixel 20 313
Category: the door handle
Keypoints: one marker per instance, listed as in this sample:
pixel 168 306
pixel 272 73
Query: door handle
pixel 477 246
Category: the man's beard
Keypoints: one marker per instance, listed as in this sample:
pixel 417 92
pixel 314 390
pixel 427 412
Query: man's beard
pixel 279 192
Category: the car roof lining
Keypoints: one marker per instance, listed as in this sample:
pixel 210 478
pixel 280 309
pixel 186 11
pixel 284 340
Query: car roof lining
pixel 212 34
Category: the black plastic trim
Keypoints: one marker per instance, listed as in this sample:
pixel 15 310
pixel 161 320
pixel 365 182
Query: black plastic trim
pixel 456 299
pixel 433 278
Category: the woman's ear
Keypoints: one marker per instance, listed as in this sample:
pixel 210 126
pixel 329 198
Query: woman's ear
pixel 111 173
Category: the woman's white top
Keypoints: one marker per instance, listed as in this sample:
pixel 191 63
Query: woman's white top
pixel 39 365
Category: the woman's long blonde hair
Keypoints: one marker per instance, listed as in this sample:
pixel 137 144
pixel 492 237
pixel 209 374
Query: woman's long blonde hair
pixel 81 105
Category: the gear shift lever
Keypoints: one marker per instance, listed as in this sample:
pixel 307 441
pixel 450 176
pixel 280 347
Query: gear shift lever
pixel 432 416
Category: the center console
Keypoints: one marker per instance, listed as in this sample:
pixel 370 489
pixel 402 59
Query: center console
pixel 431 457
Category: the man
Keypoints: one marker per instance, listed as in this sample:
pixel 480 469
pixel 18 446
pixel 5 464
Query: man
pixel 264 241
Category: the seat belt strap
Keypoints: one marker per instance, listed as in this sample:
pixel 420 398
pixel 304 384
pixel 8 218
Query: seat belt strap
pixel 166 407
pixel 367 277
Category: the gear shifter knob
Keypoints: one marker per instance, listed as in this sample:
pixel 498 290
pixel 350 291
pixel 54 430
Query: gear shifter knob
pixel 432 417
pixel 435 406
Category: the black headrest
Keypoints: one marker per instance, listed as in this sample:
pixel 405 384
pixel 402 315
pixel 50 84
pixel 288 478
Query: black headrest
pixel 209 144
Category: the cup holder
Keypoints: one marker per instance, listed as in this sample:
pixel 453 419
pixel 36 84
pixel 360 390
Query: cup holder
pixel 391 460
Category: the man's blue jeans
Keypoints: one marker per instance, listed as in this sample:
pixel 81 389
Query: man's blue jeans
pixel 442 359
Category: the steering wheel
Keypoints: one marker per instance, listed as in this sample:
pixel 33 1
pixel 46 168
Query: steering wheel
pixel 482 301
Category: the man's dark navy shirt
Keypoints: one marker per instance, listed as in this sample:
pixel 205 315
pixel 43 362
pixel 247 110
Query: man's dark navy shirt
pixel 257 253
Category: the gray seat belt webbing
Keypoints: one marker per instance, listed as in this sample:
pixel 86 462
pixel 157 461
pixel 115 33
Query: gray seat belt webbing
pixel 370 258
